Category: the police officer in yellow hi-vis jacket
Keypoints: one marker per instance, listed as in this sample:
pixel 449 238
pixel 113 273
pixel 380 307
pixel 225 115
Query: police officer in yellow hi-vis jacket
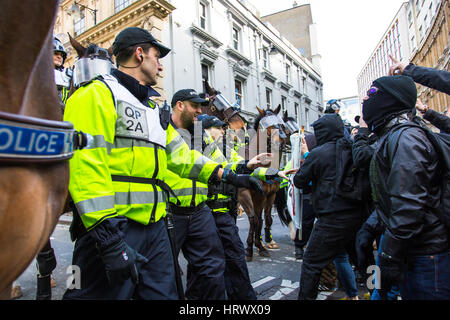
pixel 117 181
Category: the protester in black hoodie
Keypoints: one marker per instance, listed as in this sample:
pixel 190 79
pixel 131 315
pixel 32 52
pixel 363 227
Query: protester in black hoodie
pixel 406 177
pixel 338 219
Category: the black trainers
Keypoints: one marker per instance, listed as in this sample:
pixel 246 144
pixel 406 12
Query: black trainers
pixel 298 253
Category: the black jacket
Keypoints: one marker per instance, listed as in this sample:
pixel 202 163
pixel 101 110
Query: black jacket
pixel 435 79
pixel 363 149
pixel 319 169
pixel 439 120
pixel 406 185
pixel 429 77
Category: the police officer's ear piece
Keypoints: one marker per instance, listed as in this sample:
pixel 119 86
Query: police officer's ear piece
pixel 142 57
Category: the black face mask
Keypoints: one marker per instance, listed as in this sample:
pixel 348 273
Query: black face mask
pixel 379 109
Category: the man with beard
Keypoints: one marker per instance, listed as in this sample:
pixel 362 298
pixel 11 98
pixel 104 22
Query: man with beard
pixel 406 177
pixel 195 230
pixel 338 219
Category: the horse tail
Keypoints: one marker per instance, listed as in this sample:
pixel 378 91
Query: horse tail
pixel 281 205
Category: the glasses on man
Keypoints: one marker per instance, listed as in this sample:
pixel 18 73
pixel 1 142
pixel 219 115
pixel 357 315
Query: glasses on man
pixel 372 91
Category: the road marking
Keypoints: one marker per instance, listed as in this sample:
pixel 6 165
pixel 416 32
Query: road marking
pixel 323 295
pixel 287 288
pixel 293 259
pixel 277 296
pixel 289 284
pixel 262 281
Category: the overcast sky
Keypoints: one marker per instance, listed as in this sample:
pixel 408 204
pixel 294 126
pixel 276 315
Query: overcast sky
pixel 348 31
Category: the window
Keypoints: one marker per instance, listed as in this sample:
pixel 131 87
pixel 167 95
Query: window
pixel 265 58
pixel 288 73
pixel 205 75
pixel 410 20
pixel 120 4
pixel 236 37
pixel 203 15
pixel 283 104
pixel 307 118
pixel 238 92
pixel 79 26
pixel 421 32
pixel 268 98
pixel 296 110
pixel 413 42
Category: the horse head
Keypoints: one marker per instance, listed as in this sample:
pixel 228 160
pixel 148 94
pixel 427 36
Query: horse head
pixel 272 124
pixel 32 196
pixel 221 108
pixel 290 127
pixel 92 61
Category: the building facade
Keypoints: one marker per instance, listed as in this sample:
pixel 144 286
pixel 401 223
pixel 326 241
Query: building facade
pixel 421 30
pixel 395 41
pixel 296 24
pixel 225 43
pixel 100 21
pixel 434 51
pixel 221 41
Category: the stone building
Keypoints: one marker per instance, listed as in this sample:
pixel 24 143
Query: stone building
pixel 434 51
pixel 221 41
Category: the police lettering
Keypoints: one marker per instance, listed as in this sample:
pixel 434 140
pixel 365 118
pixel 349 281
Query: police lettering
pixel 17 141
pixel 133 125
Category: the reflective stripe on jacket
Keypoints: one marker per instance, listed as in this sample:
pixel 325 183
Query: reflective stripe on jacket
pixel 126 142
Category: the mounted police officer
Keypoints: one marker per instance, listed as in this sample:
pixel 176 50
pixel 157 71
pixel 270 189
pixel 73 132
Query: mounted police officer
pixel 63 76
pixel 46 260
pixel 117 181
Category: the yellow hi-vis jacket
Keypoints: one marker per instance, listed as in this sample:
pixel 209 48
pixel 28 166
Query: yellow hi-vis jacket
pixel 189 193
pixel 120 171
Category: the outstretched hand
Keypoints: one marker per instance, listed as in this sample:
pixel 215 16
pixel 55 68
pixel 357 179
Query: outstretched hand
pixel 284 174
pixel 420 106
pixel 397 68
pixel 261 160
pixel 304 148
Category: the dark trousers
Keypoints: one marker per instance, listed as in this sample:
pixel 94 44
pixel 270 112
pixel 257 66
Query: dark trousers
pixel 330 234
pixel 237 279
pixel 197 236
pixel 157 276
pixel 308 217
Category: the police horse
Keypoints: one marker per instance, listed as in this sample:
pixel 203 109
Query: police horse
pixel 268 137
pixel 34 142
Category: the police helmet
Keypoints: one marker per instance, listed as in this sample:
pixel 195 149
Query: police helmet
pixel 333 105
pixel 58 47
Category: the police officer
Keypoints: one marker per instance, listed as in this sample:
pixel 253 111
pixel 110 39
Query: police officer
pixel 195 228
pixel 63 76
pixel 222 200
pixel 46 260
pixel 117 180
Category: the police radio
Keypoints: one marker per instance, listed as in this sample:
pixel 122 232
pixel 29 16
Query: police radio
pixel 164 115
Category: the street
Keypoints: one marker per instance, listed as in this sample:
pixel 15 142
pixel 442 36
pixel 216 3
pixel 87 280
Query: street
pixel 273 278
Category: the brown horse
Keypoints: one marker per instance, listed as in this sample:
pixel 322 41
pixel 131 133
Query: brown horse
pixel 32 195
pixel 269 139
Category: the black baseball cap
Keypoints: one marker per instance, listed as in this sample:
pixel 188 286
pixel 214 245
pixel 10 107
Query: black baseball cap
pixel 188 94
pixel 130 36
pixel 210 121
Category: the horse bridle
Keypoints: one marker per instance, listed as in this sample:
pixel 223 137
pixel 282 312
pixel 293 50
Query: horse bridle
pixel 28 140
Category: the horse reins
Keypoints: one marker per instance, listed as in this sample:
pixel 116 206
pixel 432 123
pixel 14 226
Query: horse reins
pixel 28 140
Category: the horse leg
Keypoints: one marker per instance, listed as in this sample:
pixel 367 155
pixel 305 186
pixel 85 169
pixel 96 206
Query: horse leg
pixel 271 244
pixel 263 252
pixel 45 263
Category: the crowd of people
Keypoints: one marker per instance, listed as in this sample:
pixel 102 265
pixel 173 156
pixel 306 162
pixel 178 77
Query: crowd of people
pixel 143 190
pixel 405 208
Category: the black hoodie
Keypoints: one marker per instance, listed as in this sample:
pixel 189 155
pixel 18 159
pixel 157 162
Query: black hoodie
pixel 318 173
